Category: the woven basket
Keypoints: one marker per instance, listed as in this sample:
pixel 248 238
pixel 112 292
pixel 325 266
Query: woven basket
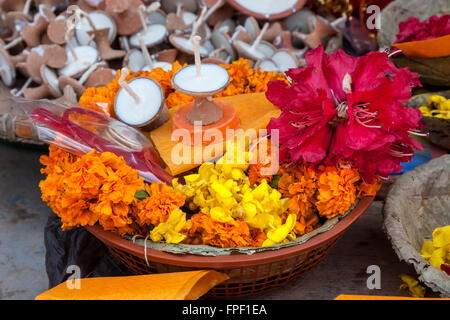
pixel 417 203
pixel 249 274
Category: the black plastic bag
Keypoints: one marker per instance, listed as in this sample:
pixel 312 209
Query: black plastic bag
pixel 76 247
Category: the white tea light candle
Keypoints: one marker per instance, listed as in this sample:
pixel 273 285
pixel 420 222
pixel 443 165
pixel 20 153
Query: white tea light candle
pixel 142 112
pixel 212 78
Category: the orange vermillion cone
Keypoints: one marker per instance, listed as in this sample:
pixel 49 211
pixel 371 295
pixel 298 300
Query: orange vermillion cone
pixel 166 286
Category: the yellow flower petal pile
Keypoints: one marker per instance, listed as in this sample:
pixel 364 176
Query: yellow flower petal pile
pixel 170 230
pixel 437 252
pixel 223 190
pixel 438 106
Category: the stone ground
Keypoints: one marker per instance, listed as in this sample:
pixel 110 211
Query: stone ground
pixel 22 251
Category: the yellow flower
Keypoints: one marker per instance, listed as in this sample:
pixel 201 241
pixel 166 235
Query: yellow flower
pixel 437 106
pixel 223 190
pixel 441 237
pixel 416 290
pixel 170 230
pixel 437 252
pixel 280 233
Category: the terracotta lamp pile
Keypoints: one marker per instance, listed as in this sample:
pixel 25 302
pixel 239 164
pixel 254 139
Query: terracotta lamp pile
pixel 202 81
pixel 88 40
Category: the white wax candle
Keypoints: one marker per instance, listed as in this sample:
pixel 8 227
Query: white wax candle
pixel 256 52
pixel 150 100
pixel 268 65
pixel 100 21
pixel 284 61
pixel 52 79
pixel 189 45
pixel 267 6
pixel 136 61
pixel 86 56
pixel 212 77
pixel 155 34
pixel 188 17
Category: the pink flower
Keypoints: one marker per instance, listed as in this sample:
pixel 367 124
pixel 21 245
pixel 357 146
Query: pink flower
pixel 345 109
pixel 414 30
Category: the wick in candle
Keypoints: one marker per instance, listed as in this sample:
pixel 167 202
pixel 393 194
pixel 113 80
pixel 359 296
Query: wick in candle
pixel 196 41
pixel 197 23
pixel 141 11
pixel 144 50
pixel 260 35
pixel 213 9
pixel 67 37
pixel 123 74
pixel 179 6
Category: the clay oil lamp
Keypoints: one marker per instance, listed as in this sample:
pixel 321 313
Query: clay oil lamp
pixel 227 25
pixel 176 5
pixel 49 86
pixel 300 21
pixel 7 69
pixel 267 9
pixel 78 85
pixel 284 41
pixel 258 49
pixel 202 81
pixel 204 30
pixel 79 59
pixel 31 33
pixel 152 34
pixel 266 65
pixel 166 55
pixel 222 40
pixel 281 61
pixel 100 77
pixel 103 45
pixel 95 20
pixel 134 59
pixel 322 30
pixel 125 14
pixel 149 63
pixel 223 12
pixel 53 56
pixel 14 21
pixel 56 30
pixel 140 103
pixel 186 44
pixel 157 17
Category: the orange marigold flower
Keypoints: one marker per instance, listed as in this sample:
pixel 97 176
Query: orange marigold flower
pixel 96 187
pixel 368 189
pixel 177 98
pixel 336 191
pixel 202 229
pixel 156 208
pixel 263 161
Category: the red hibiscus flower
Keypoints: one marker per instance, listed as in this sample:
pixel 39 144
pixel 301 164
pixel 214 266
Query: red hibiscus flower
pixel 345 109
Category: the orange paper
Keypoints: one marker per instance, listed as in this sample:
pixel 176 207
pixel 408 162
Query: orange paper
pixel 165 286
pixel 362 297
pixel 432 48
pixel 254 111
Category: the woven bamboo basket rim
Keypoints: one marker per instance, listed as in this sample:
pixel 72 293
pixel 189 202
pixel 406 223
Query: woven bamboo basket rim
pixel 234 260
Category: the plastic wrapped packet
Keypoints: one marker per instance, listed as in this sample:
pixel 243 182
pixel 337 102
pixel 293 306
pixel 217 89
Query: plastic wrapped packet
pixel 79 130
